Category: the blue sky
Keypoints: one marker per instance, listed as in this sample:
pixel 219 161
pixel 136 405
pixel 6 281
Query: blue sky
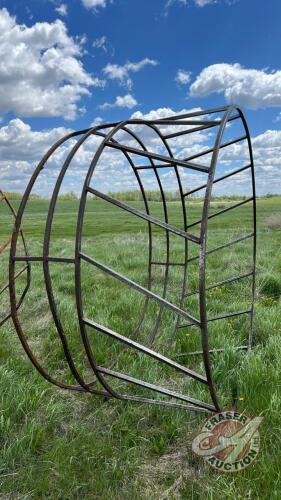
pixel 68 64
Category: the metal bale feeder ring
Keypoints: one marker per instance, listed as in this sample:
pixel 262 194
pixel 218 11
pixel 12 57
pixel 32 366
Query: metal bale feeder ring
pixel 152 148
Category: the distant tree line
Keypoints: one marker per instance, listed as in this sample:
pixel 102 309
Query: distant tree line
pixel 137 196
pixel 18 196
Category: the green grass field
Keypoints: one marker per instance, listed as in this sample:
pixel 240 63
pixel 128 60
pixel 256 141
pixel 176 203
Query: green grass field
pixel 62 445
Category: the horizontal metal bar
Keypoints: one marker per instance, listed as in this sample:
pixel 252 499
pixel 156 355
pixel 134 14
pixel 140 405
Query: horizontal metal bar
pixel 212 351
pixel 145 216
pixel 15 277
pixel 187 131
pixel 221 316
pixel 183 121
pixel 145 167
pixel 153 387
pixel 148 167
pixel 221 283
pixel 229 315
pixel 99 133
pixel 146 350
pixel 237 171
pixel 155 156
pixel 48 258
pixel 173 119
pixel 223 145
pixel 196 113
pixel 152 167
pixel 197 129
pixel 168 263
pixel 169 404
pixel 2 247
pixel 233 242
pixel 139 288
pixel 223 211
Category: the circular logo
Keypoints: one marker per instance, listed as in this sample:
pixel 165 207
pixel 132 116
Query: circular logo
pixel 229 441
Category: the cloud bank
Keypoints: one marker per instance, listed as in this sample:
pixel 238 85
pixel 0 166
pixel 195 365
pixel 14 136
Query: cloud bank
pixel 252 88
pixel 41 73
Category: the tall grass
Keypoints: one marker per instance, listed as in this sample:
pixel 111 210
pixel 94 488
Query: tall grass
pixel 62 445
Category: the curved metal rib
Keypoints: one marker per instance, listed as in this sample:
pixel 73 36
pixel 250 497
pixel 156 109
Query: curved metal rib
pixel 16 232
pixel 203 252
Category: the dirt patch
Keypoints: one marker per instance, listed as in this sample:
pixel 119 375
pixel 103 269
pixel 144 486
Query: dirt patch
pixel 274 221
pixel 178 466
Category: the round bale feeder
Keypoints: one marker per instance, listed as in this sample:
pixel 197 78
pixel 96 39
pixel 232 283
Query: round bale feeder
pixel 189 256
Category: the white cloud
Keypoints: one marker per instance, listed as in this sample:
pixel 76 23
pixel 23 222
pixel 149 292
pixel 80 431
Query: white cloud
pixel 156 114
pixel 104 44
pixel 94 4
pixel 122 73
pixel 169 3
pixel 202 3
pixel 183 77
pixel 97 121
pixel 19 142
pixel 198 3
pixel 101 43
pixel 267 159
pixel 40 70
pixel 125 101
pixel 21 148
pixel 62 9
pixel 268 139
pixel 266 146
pixel 181 141
pixel 248 87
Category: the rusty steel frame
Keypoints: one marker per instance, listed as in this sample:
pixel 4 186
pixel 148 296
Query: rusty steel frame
pixel 107 132
pixel 4 246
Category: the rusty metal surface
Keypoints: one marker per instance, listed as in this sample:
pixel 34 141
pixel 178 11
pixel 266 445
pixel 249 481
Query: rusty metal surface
pixel 107 132
pixel 4 246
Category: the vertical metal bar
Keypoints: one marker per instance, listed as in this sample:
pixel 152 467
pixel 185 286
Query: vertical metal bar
pixel 250 337
pixel 202 259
